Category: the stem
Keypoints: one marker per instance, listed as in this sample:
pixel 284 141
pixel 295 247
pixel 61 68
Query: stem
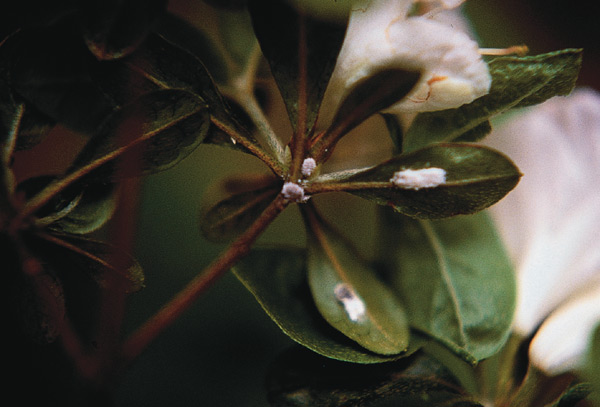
pixel 140 339
pixel 317 188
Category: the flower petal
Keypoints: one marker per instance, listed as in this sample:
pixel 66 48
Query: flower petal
pixel 550 221
pixel 381 36
pixel 562 341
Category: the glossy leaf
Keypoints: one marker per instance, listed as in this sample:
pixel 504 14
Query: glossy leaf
pixel 476 177
pixel 301 52
pixel 516 82
pixel 278 280
pixel 298 378
pixel 231 216
pixel 114 28
pixel 50 69
pixel 369 96
pixel 454 278
pixel 161 128
pixel 349 294
pixel 160 64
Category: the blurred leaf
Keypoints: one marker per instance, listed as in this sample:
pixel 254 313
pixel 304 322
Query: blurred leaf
pixel 34 127
pixel 50 69
pixel 11 114
pixel 593 361
pixel 233 215
pixel 163 127
pixel 573 395
pixel 301 51
pixel 277 279
pixel 114 28
pixel 237 34
pixel 454 278
pixel 395 130
pixel 71 253
pixel 369 96
pixel 159 64
pixel 192 39
pixel 349 295
pixel 476 177
pixel 93 209
pixel 516 82
pixel 57 207
pixel 303 379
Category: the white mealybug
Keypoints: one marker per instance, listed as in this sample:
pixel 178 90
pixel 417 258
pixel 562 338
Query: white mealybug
pixel 294 192
pixel 421 178
pixel 354 306
pixel 308 166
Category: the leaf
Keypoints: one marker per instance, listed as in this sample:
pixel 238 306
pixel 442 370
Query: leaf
pixel 161 128
pixel 516 82
pixel 34 127
pixel 50 69
pixel 299 378
pixel 93 209
pixel 277 279
pixel 454 278
pixel 233 215
pixel 592 368
pixel 349 295
pixel 159 64
pixel 301 52
pixel 476 177
pixel 114 28
pixel 395 130
pixel 573 395
pixel 369 96
pixel 11 114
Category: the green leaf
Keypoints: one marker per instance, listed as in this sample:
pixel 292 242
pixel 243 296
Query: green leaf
pixel 395 130
pixel 516 82
pixel 349 294
pixel 50 69
pixel 476 177
pixel 160 64
pixel 93 209
pixel 454 278
pixel 301 51
pixel 159 129
pixel 573 395
pixel 233 215
pixel 299 378
pixel 114 28
pixel 11 114
pixel 592 369
pixel 34 127
pixel 277 279
pixel 369 96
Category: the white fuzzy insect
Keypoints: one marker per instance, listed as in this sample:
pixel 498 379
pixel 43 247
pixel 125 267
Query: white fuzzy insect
pixel 294 192
pixel 354 306
pixel 308 166
pixel 421 178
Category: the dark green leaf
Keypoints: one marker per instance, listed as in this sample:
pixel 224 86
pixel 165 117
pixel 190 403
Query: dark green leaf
pixel 370 95
pixel 573 395
pixel 277 278
pixel 94 207
pixel 57 207
pixel 231 216
pixel 349 294
pixel 301 52
pixel 593 361
pixel 11 114
pixel 184 35
pixel 301 379
pixel 454 278
pixel 114 28
pixel 34 127
pixel 516 82
pixel 476 177
pixel 50 70
pixel 395 130
pixel 160 64
pixel 159 129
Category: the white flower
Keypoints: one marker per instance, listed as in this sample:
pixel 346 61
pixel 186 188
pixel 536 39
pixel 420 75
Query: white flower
pixel 382 35
pixel 551 224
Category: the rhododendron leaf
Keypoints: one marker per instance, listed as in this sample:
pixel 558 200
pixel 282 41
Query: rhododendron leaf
pixel 350 295
pixel 475 178
pixel 299 378
pixel 114 28
pixel 301 51
pixel 454 277
pixel 277 277
pixel 516 82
